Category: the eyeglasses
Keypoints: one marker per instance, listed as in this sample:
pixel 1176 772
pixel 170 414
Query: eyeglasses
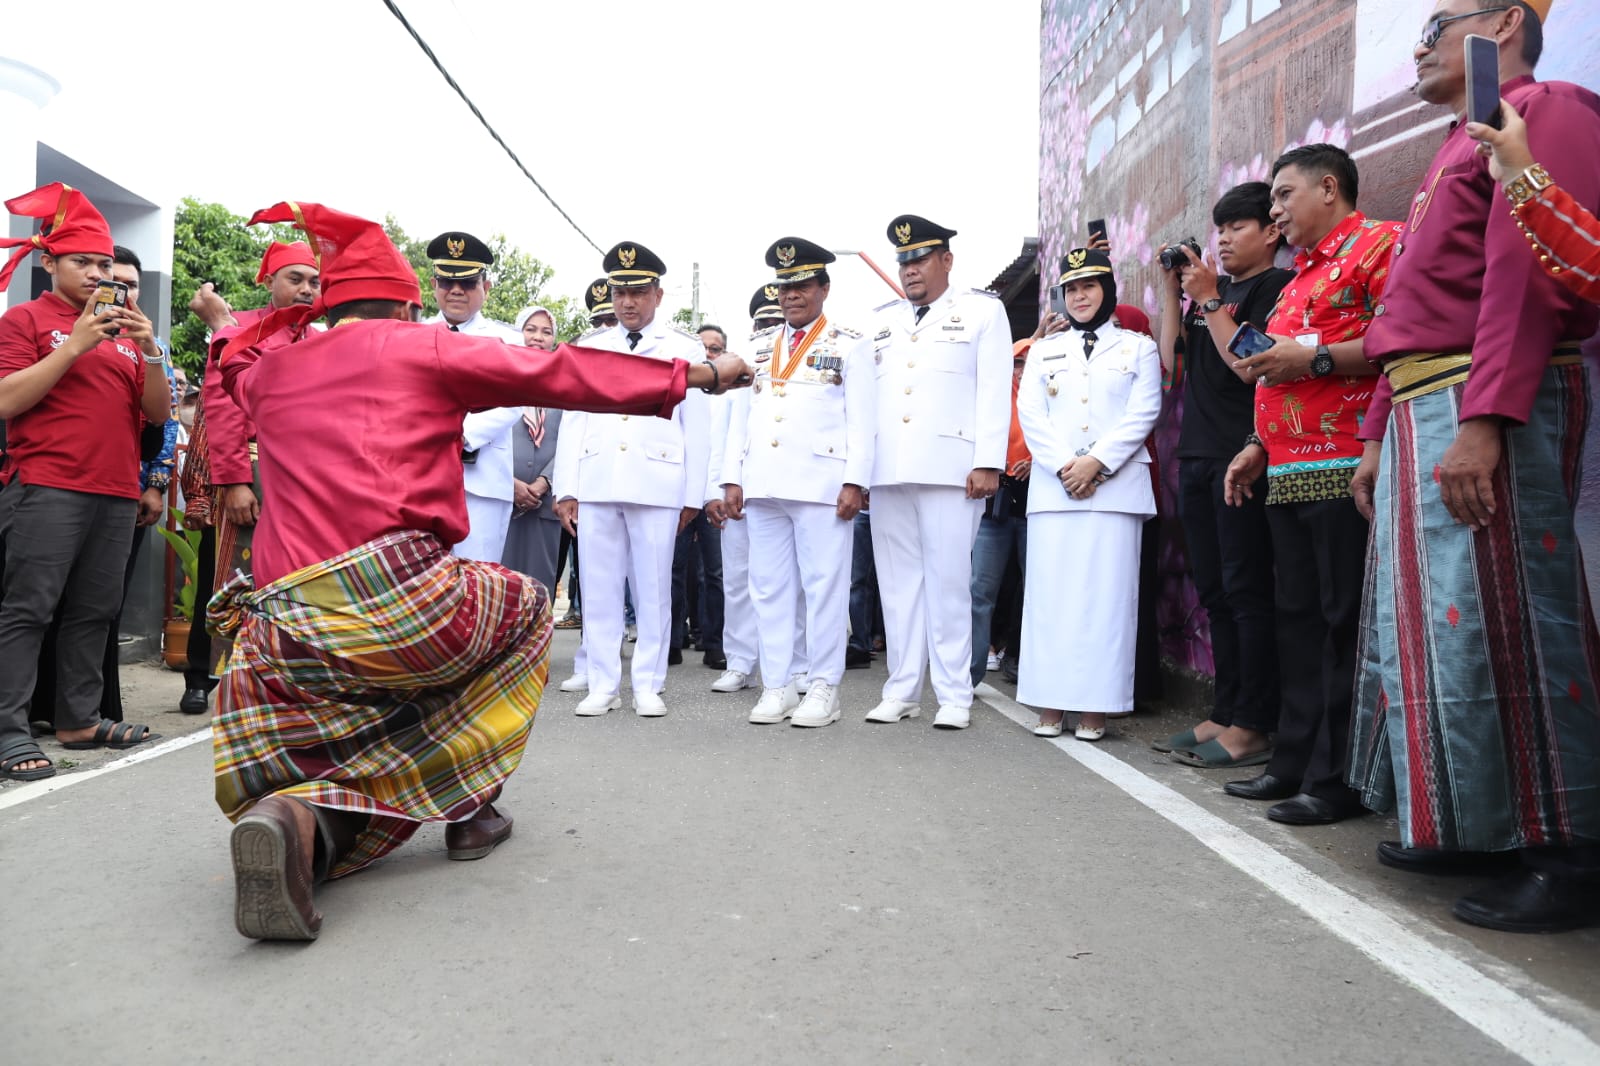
pixel 715 349
pixel 1434 28
pixel 466 284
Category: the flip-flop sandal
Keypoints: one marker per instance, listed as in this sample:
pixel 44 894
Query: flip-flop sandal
pixel 1213 756
pixel 1183 741
pixel 116 735
pixel 22 753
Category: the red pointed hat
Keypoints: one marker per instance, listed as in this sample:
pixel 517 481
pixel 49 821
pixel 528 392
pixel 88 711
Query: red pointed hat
pixel 357 259
pixel 280 255
pixel 71 224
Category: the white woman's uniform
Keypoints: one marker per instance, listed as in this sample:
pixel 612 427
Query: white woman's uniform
pixel 792 446
pixel 1080 612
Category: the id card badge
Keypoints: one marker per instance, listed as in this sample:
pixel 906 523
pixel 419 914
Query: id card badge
pixel 1310 340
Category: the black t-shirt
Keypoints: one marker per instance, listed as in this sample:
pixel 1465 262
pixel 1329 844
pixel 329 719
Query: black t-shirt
pixel 1218 408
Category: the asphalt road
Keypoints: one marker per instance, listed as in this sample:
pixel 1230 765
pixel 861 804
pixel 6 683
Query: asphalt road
pixel 696 889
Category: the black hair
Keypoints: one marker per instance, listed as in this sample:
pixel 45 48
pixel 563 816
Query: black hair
pixel 1250 202
pixel 718 330
pixel 126 257
pixel 364 309
pixel 1319 160
pixel 1532 34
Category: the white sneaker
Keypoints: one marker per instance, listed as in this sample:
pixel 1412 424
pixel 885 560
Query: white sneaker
pixel 732 681
pixel 995 659
pixel 819 708
pixel 893 711
pixel 801 683
pixel 576 683
pixel 648 705
pixel 952 717
pixel 775 705
pixel 598 703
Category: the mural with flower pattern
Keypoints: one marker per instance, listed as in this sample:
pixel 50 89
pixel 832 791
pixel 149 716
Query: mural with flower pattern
pixel 1148 111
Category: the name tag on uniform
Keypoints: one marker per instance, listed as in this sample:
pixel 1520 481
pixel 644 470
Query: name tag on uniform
pixel 1058 355
pixel 954 329
pixel 882 336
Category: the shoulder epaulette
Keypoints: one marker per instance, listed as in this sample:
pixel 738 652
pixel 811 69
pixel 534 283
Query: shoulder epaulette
pixel 592 333
pixel 853 334
pixel 885 307
pixel 685 333
pixel 764 332
pixel 987 292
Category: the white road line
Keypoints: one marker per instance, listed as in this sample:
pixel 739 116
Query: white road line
pixel 1511 1020
pixel 10 797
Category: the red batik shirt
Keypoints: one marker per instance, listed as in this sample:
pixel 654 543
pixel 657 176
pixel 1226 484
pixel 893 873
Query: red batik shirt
pixel 1310 426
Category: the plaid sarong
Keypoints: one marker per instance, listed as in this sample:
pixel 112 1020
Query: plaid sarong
pixel 1476 711
pixel 395 680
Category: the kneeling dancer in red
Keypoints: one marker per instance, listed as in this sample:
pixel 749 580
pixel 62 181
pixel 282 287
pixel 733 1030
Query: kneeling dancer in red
pixel 377 681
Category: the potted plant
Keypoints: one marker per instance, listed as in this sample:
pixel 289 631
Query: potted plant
pixel 185 544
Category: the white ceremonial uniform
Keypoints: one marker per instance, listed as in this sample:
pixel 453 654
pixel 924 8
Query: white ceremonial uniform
pixel 488 479
pixel 943 410
pixel 1080 616
pixel 793 445
pixel 632 475
pixel 738 616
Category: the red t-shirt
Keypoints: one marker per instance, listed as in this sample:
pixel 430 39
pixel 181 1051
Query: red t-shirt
pixel 83 434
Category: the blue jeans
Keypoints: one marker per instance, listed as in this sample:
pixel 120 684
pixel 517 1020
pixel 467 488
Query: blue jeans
pixel 998 538
pixel 863 585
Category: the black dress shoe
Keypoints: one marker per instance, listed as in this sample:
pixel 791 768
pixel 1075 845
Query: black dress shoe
pixel 1440 862
pixel 674 656
pixel 193 701
pixel 1262 787
pixel 1533 901
pixel 1306 809
pixel 715 660
pixel 856 659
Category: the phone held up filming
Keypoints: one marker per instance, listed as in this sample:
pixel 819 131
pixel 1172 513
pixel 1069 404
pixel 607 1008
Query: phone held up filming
pixel 1483 81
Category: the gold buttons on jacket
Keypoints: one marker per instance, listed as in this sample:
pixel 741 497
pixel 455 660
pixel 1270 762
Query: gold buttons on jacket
pixel 1084 400
pixel 905 418
pixel 774 444
pixel 623 446
pixel 624 418
pixel 777 418
pixel 911 363
pixel 908 390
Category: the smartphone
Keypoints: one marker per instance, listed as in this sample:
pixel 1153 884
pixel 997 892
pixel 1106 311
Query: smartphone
pixel 1058 301
pixel 1483 81
pixel 1248 341
pixel 1097 228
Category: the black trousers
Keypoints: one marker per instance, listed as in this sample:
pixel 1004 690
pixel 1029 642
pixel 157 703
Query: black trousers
pixel 44 689
pixel 1230 562
pixel 198 652
pixel 697 585
pixel 65 550
pixel 1320 549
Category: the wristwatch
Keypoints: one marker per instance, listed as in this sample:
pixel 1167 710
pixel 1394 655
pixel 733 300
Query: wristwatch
pixel 1322 362
pixel 1211 305
pixel 1526 185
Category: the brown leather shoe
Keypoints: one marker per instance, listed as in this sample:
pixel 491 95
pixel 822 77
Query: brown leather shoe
pixel 272 871
pixel 478 835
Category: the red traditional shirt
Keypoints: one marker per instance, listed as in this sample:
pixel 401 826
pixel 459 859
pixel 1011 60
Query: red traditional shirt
pixel 360 426
pixel 1463 280
pixel 1566 237
pixel 228 431
pixel 1309 426
pixel 83 435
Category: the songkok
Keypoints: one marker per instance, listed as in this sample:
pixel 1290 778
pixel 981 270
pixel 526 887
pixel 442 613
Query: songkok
pixel 797 259
pixel 459 255
pixel 630 264
pixel 280 255
pixel 914 237
pixel 70 224
pixel 764 304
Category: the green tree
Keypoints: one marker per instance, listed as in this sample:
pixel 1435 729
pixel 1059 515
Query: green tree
pixel 683 318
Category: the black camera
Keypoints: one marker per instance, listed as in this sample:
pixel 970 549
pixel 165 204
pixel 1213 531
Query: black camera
pixel 1172 257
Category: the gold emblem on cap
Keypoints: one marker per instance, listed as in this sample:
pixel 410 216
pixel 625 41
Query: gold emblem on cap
pixel 598 291
pixel 457 246
pixel 627 257
pixel 1077 259
pixel 770 292
pixel 902 232
pixel 785 255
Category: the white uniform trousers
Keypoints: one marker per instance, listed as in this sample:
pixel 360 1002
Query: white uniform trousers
pixel 738 613
pixel 1081 614
pixel 922 537
pixel 487 523
pixel 797 547
pixel 626 542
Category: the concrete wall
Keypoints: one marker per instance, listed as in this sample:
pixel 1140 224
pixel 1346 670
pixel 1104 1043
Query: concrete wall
pixel 1149 110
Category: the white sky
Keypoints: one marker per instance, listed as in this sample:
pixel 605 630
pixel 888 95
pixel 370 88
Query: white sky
pixel 702 129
